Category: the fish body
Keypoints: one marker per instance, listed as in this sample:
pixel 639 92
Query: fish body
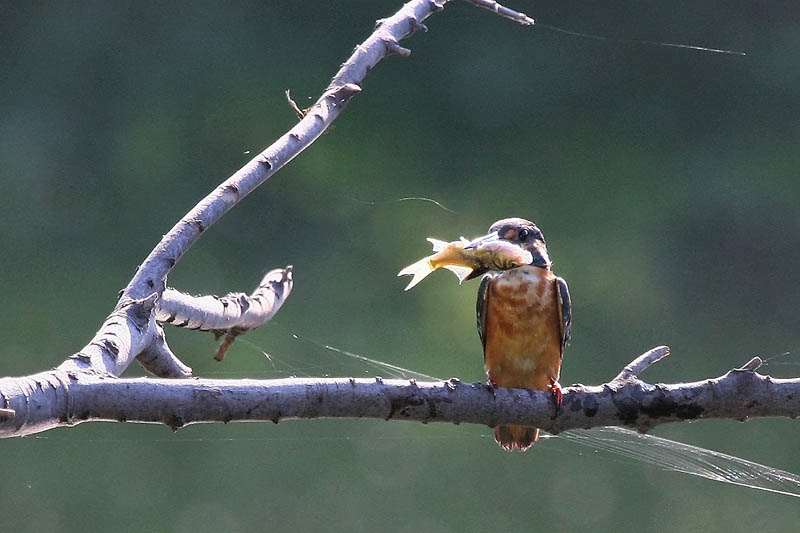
pixel 467 259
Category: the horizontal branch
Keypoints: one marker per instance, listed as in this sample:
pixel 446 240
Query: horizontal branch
pixel 74 397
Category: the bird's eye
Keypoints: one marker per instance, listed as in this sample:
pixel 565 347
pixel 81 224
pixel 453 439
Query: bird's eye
pixel 523 234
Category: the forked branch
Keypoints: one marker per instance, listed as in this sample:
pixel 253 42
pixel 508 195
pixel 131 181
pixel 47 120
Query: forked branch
pixel 132 331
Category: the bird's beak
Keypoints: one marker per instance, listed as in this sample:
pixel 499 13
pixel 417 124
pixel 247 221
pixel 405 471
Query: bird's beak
pixel 480 241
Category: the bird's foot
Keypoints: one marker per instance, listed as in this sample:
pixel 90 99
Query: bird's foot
pixel 492 386
pixel 555 388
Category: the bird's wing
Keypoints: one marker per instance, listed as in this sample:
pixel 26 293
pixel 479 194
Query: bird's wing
pixel 482 305
pixel 565 310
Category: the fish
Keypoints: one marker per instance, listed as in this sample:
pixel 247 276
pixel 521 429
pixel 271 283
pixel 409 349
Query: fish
pixel 466 259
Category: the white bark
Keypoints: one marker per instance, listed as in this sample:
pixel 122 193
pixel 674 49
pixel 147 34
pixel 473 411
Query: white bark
pixel 64 398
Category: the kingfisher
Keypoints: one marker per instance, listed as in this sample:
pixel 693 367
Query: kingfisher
pixel 524 322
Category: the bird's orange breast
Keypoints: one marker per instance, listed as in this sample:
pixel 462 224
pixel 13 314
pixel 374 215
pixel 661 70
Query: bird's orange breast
pixel 522 329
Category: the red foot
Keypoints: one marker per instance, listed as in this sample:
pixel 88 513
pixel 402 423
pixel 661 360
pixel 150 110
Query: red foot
pixel 492 386
pixel 555 387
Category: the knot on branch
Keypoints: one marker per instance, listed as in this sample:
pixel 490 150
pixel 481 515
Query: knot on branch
pixel 394 48
pixel 140 312
pixel 418 26
pixel 642 406
pixel 340 95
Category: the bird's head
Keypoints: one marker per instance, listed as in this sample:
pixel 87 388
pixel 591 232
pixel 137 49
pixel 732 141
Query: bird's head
pixel 521 232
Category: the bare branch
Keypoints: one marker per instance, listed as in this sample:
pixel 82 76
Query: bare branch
pixel 127 331
pixel 152 274
pixel 752 365
pixel 75 397
pixel 638 365
pixel 130 329
pixel 234 310
pixel 231 315
pixel 384 40
pixel 503 11
pixel 301 113
pixel 158 359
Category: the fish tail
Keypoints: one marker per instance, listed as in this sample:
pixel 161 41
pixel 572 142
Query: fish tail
pixel 516 437
pixel 438 245
pixel 419 270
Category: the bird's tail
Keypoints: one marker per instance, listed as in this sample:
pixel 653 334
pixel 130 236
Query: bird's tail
pixel 516 437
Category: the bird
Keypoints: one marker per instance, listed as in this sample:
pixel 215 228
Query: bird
pixel 524 322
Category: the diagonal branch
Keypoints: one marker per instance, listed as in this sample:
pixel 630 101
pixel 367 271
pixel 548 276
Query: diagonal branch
pixel 157 359
pixel 346 83
pixel 131 328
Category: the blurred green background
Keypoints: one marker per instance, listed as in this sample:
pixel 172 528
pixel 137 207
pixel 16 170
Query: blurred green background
pixel 665 180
